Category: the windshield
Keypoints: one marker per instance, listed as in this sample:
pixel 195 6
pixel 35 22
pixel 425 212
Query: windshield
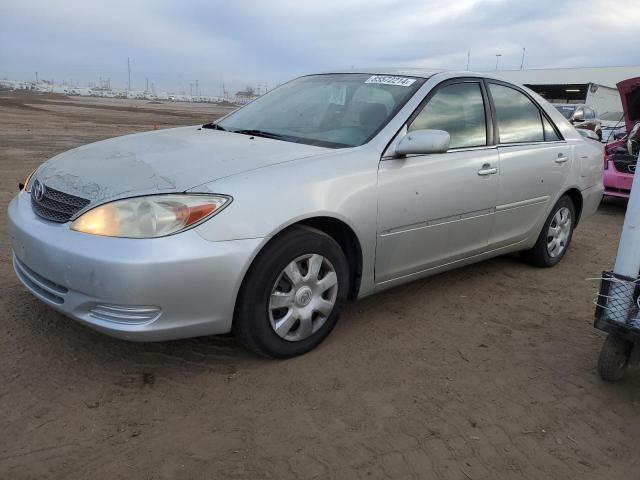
pixel 566 110
pixel 611 116
pixel 335 110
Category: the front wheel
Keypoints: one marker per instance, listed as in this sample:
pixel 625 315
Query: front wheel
pixel 292 295
pixel 555 237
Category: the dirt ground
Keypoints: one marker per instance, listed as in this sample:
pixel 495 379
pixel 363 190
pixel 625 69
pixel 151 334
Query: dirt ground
pixel 486 372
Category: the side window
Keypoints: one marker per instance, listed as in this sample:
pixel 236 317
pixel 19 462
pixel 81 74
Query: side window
pixel 589 114
pixel 550 134
pixel 459 110
pixel 519 120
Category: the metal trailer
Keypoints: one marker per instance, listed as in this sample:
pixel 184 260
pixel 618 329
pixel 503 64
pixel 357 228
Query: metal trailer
pixel 618 304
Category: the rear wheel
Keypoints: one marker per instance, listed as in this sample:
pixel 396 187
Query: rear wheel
pixel 292 295
pixel 555 237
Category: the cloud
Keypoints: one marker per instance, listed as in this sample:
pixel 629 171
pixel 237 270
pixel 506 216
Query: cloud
pixel 174 43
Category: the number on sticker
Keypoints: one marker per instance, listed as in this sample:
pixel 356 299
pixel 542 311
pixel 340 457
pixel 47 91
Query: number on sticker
pixel 390 80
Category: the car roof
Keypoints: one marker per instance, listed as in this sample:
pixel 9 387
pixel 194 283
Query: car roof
pixel 425 73
pixel 406 72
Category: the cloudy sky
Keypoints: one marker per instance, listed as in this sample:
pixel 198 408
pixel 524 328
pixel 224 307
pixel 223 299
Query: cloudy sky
pixel 173 42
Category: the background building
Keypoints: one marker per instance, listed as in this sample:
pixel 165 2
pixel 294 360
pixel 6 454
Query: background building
pixel 245 96
pixel 595 86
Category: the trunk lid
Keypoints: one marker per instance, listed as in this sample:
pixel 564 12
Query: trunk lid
pixel 630 95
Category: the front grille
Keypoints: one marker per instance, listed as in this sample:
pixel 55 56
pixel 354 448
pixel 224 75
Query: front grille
pixel 53 204
pixel 624 162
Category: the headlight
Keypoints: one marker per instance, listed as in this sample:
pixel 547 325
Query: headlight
pixel 149 217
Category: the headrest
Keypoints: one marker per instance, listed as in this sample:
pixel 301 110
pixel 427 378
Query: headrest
pixel 373 114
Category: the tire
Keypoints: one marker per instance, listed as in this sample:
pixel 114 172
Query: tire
pixel 257 314
pixel 540 254
pixel 614 358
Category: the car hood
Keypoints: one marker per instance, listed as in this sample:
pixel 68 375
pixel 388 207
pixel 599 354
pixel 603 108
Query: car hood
pixel 163 161
pixel 630 95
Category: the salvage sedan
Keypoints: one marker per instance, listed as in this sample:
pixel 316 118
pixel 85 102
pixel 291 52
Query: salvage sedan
pixel 330 187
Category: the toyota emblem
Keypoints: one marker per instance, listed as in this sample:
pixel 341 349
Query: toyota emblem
pixel 38 191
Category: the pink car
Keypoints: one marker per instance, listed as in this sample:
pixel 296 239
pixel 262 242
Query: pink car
pixel 621 156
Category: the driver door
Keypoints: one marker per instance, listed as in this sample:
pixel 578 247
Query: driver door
pixel 437 209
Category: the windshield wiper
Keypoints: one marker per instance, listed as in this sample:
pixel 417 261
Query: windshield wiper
pixel 262 133
pixel 253 133
pixel 214 126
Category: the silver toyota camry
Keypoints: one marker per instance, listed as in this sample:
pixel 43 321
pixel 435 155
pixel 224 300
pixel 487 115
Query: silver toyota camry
pixel 330 187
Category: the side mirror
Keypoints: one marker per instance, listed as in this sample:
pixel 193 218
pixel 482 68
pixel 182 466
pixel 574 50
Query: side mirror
pixel 422 142
pixel 578 118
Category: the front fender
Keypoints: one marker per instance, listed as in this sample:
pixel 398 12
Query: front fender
pixel 266 201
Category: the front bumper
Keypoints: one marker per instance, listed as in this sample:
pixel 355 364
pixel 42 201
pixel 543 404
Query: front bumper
pixel 617 184
pixel 145 290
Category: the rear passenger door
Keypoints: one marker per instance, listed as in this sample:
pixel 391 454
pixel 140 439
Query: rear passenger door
pixel 534 164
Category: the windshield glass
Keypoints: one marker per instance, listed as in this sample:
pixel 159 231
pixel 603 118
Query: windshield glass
pixel 566 110
pixel 611 116
pixel 335 110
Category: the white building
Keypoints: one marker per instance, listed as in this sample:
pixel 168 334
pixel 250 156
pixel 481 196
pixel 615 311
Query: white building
pixel 593 85
pixel 245 96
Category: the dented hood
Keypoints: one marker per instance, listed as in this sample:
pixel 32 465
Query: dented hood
pixel 163 161
pixel 630 95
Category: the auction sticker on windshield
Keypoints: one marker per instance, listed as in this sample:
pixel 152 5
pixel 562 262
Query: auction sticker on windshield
pixel 390 80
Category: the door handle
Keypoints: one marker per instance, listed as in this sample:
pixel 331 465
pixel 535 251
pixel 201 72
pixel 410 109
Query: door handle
pixel 561 159
pixel 487 169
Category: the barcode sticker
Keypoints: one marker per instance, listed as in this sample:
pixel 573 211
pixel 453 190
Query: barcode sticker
pixel 390 80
